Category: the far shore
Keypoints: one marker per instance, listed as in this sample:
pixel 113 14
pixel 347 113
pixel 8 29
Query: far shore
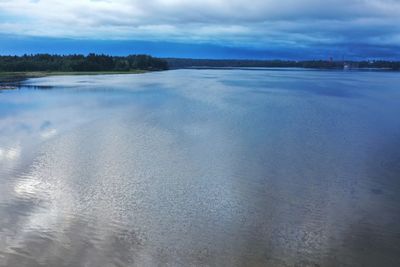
pixel 11 80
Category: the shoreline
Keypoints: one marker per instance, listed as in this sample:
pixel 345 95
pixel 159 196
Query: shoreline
pixel 11 80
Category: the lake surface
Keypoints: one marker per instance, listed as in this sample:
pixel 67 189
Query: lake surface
pixel 202 168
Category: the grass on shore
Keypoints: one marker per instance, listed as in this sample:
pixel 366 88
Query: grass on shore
pixel 12 78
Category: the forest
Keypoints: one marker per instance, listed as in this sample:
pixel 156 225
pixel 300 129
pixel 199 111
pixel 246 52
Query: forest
pixel 79 63
pixel 177 63
pixel 101 62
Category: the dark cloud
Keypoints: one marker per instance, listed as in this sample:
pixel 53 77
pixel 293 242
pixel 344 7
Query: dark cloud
pixel 359 28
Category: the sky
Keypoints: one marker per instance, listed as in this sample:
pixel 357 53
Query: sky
pixel 253 29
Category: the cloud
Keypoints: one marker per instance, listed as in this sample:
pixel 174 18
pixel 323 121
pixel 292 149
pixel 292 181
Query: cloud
pixel 256 23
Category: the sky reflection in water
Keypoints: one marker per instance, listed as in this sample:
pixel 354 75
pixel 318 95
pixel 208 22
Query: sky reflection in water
pixel 201 167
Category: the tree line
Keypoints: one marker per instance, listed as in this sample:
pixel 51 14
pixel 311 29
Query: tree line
pixel 91 62
pixel 101 62
pixel 177 63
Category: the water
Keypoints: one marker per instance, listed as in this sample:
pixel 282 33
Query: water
pixel 202 168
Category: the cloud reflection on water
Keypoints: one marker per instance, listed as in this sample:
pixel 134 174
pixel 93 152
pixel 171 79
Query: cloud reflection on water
pixel 123 170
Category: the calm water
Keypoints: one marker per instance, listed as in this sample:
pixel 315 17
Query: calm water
pixel 202 168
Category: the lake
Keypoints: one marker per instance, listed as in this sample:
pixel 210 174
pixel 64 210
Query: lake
pixel 240 167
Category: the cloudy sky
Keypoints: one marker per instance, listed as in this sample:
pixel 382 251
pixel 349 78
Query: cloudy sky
pixel 204 28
